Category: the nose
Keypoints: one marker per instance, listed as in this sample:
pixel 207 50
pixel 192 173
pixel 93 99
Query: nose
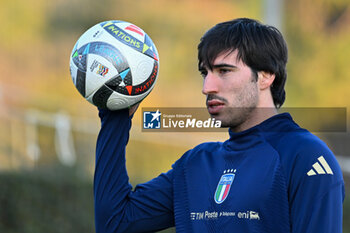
pixel 210 84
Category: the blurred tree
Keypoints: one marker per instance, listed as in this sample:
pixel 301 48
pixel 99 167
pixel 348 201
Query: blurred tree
pixel 22 24
pixel 318 33
pixel 76 16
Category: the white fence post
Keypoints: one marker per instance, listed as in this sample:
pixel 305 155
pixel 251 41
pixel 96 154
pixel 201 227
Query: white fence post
pixel 64 140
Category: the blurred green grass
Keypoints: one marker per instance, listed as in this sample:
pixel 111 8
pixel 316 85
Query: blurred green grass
pixel 52 200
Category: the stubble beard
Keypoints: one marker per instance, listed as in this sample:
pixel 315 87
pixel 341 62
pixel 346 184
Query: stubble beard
pixel 237 117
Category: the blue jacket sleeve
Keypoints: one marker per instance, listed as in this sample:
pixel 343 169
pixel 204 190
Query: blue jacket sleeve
pixel 317 191
pixel 117 208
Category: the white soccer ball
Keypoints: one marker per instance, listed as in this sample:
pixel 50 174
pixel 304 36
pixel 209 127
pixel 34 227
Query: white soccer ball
pixel 114 65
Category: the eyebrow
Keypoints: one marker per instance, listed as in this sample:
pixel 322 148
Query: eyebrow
pixel 217 66
pixel 221 65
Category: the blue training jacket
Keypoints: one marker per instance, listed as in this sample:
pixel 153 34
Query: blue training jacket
pixel 274 177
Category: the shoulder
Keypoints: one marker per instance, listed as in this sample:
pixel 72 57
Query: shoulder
pixel 306 149
pixel 304 155
pixel 315 156
pixel 309 163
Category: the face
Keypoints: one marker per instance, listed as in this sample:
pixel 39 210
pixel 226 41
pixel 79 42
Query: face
pixel 231 89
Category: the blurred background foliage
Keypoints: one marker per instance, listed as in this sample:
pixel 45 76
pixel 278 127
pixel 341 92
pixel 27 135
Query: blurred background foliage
pixel 38 193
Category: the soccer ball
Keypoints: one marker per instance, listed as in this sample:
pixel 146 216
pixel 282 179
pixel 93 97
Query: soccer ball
pixel 114 65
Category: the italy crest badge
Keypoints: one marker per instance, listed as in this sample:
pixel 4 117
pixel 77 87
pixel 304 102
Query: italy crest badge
pixel 224 185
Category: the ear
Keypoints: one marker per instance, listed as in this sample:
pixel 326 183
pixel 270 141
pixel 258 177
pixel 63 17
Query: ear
pixel 265 79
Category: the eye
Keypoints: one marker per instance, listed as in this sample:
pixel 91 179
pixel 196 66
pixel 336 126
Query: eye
pixel 223 71
pixel 203 73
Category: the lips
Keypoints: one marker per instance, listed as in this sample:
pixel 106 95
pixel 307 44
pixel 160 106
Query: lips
pixel 214 106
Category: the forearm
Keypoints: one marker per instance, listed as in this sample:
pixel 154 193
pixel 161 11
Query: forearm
pixel 111 185
pixel 117 208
